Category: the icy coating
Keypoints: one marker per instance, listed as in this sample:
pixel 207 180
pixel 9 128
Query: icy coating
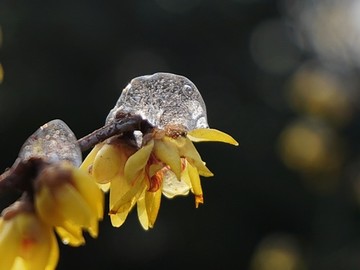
pixel 162 99
pixel 53 141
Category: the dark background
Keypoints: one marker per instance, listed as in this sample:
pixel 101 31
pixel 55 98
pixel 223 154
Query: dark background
pixel 266 208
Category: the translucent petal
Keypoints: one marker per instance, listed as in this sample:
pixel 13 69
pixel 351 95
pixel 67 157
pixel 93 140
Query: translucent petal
pixel 189 151
pixel 9 244
pixel 72 206
pixel 152 202
pixel 142 213
pixel 210 135
pixel 36 244
pixel 105 187
pixel 119 187
pixel 91 193
pixel 53 141
pixel 47 208
pixel 163 99
pixel 54 253
pixel 70 234
pixel 107 163
pixel 195 184
pixel 126 200
pixel 118 219
pixel 172 186
pixel 86 165
pixel 167 152
pixel 137 161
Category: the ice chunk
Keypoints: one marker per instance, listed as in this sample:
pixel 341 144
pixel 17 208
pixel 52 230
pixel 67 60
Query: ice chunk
pixel 54 141
pixel 162 99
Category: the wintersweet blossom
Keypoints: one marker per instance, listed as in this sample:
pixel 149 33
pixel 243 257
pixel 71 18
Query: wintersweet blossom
pixel 167 163
pixel 69 200
pixel 26 242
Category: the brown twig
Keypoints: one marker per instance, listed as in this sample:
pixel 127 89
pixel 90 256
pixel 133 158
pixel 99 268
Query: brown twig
pixel 121 125
pixel 20 175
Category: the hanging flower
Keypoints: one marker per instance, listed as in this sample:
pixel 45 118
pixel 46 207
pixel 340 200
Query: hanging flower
pixel 167 163
pixel 26 242
pixel 68 199
pixel 159 158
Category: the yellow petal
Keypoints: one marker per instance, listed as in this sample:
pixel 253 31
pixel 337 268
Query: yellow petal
pixel 86 165
pixel 167 152
pixel 54 253
pixel 152 202
pixel 72 206
pixel 47 207
pixel 104 187
pixel 189 151
pixel 118 219
pixel 107 163
pixel 195 184
pixel 172 187
pixel 210 135
pixel 70 234
pixel 36 242
pixel 137 161
pixel 30 243
pixel 125 200
pixel 141 212
pixel 91 193
pixel 119 187
pixel 9 243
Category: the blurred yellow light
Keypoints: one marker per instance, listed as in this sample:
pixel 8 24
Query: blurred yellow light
pixel 317 93
pixel 277 252
pixel 309 147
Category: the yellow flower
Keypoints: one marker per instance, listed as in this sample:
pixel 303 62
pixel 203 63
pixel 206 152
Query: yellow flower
pixel 167 163
pixel 69 199
pixel 26 242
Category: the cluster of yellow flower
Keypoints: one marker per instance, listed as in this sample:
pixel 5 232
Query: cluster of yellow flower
pixel 167 163
pixel 65 198
pixel 62 193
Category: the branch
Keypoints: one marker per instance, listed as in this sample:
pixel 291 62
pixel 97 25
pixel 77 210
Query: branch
pixel 20 175
pixel 121 125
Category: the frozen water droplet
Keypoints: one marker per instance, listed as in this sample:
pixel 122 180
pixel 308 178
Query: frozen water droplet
pixel 53 141
pixel 163 99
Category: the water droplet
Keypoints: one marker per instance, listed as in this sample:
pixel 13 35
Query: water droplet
pixel 163 99
pixel 53 141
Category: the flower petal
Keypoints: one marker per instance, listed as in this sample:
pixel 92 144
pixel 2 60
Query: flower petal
pixel 167 152
pixel 137 161
pixel 124 196
pixel 189 151
pixel 152 203
pixel 173 187
pixel 141 212
pixel 195 184
pixel 91 193
pixel 70 234
pixel 86 165
pixel 210 135
pixel 36 242
pixel 72 206
pixel 118 219
pixel 54 253
pixel 107 163
pixel 9 243
pixel 47 207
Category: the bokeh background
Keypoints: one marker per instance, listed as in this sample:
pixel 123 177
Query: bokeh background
pixel 281 76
